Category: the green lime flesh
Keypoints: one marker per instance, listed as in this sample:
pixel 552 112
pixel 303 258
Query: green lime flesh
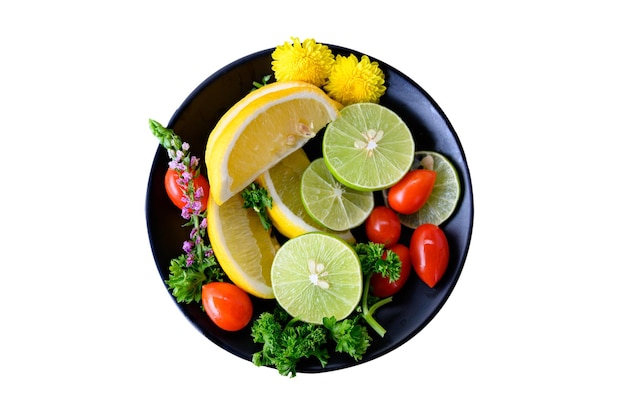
pixel 317 275
pixel 368 147
pixel 443 199
pixel 331 203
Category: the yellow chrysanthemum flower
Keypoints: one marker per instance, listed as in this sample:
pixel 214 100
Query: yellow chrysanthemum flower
pixel 353 81
pixel 307 61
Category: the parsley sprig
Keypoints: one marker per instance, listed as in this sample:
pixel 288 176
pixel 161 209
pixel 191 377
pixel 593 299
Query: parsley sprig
pixel 375 259
pixel 287 340
pixel 197 265
pixel 257 198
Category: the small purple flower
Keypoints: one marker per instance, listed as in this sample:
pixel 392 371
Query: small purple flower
pixel 196 206
pixel 186 175
pixel 185 146
pixel 185 213
pixel 203 223
pixel 190 259
pixel 195 161
pixel 187 246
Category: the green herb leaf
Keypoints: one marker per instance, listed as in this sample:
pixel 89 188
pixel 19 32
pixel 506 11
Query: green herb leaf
pixel 167 138
pixel 257 198
pixel 376 260
pixel 286 341
pixel 186 281
pixel 264 81
pixel 350 337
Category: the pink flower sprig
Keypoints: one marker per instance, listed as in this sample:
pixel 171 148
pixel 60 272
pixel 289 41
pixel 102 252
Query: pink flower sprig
pixel 189 271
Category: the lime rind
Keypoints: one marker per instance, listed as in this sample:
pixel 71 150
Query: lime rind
pixel 331 203
pixel 443 199
pixel 303 263
pixel 368 147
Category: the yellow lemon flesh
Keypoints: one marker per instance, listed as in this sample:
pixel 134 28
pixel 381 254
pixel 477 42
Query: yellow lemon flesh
pixel 263 128
pixel 243 248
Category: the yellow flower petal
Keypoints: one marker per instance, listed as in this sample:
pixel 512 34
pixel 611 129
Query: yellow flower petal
pixel 353 81
pixel 308 61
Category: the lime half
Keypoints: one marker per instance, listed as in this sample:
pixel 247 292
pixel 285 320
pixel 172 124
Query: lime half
pixel 368 147
pixel 331 203
pixel 317 275
pixel 445 195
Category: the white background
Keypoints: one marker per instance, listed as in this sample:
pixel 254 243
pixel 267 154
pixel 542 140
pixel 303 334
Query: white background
pixel 535 91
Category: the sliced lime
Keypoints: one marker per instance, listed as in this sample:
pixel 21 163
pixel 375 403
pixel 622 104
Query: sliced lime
pixel 288 214
pixel 331 203
pixel 317 275
pixel 445 195
pixel 368 147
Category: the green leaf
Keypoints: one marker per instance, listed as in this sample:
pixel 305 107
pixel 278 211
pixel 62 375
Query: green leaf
pixel 286 342
pixel 258 199
pixel 349 336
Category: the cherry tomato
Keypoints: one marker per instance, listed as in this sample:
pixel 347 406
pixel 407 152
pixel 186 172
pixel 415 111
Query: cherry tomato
pixel 411 193
pixel 429 253
pixel 228 306
pixel 380 286
pixel 383 226
pixel 176 192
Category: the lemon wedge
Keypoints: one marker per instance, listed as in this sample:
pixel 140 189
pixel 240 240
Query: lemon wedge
pixel 261 129
pixel 243 248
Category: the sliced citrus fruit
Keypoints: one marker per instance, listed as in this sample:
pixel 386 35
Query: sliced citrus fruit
pixel 368 147
pixel 233 111
pixel 317 275
pixel 331 203
pixel 265 126
pixel 243 248
pixel 445 195
pixel 288 214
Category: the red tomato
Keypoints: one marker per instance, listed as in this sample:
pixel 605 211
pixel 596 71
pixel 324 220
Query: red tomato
pixel 411 193
pixel 228 306
pixel 383 226
pixel 380 286
pixel 176 193
pixel 429 253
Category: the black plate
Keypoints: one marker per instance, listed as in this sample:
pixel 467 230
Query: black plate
pixel 413 307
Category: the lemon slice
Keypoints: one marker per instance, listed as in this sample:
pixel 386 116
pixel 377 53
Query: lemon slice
pixel 243 248
pixel 368 147
pixel 317 275
pixel 288 214
pixel 264 127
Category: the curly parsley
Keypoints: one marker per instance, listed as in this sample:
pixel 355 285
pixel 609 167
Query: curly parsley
pixel 375 259
pixel 287 340
pixel 257 198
